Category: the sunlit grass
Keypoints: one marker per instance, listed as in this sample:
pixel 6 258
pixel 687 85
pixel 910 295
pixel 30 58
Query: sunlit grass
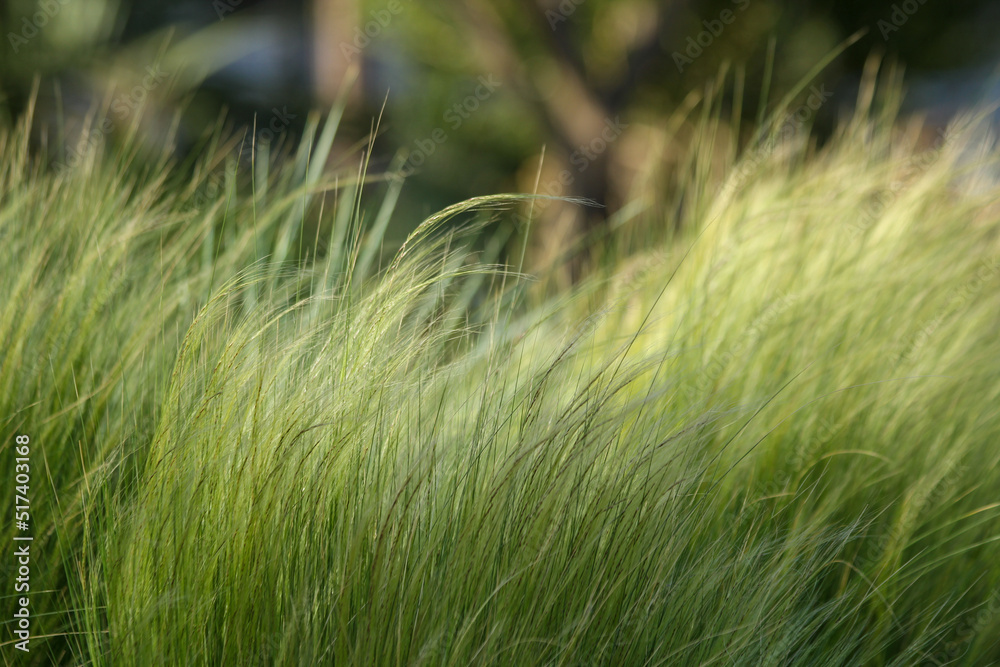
pixel 766 438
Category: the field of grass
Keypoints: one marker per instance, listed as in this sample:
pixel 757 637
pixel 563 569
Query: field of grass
pixel 762 429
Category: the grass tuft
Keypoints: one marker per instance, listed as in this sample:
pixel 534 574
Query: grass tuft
pixel 764 436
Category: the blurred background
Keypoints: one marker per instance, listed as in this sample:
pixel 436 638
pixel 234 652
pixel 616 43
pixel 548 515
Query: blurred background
pixel 468 95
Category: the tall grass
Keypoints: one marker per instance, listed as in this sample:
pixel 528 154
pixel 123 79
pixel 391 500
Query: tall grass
pixel 766 438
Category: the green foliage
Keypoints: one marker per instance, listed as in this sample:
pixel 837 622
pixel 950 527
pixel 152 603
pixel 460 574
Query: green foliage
pixel 766 439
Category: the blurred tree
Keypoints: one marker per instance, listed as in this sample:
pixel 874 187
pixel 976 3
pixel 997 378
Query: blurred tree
pixel 590 80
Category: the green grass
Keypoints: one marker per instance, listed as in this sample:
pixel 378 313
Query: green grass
pixel 762 430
